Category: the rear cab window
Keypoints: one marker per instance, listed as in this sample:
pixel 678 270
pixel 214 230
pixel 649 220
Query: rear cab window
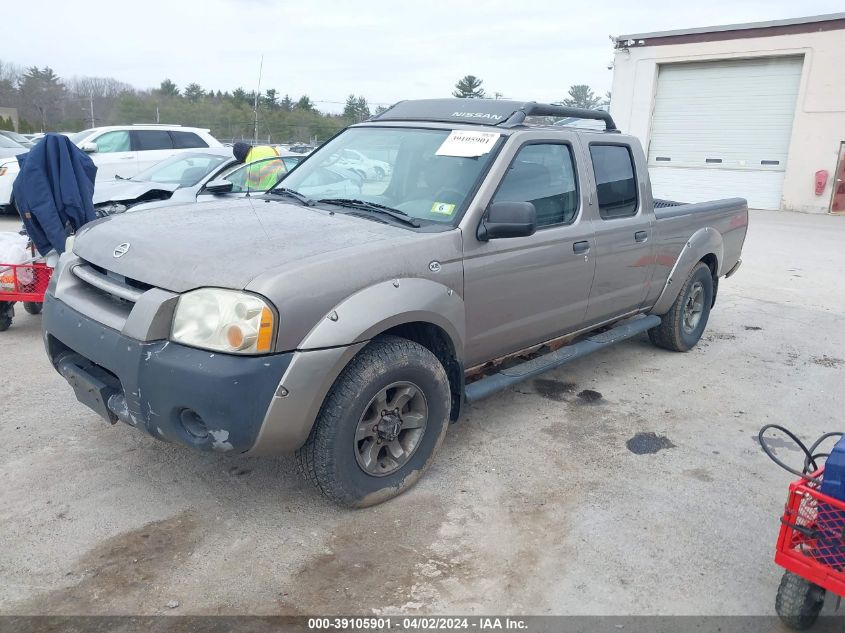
pixel 616 181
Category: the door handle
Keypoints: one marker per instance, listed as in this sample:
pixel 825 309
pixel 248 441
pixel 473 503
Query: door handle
pixel 641 236
pixel 126 157
pixel 580 247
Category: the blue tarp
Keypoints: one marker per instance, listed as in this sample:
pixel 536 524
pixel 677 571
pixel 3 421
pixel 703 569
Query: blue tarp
pixel 54 191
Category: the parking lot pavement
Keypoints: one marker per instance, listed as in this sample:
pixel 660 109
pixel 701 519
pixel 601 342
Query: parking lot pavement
pixel 535 505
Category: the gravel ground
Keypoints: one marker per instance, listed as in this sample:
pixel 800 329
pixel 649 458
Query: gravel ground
pixel 539 503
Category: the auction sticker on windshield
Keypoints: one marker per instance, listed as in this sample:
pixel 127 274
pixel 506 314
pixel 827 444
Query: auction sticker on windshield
pixel 467 143
pixel 443 208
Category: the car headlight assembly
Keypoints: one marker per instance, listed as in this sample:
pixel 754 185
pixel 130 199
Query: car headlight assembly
pixel 224 321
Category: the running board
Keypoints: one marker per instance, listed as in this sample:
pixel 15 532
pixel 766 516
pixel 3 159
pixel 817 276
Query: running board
pixel 512 375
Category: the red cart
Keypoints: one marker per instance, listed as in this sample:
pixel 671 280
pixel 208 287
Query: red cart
pixel 811 547
pixel 26 283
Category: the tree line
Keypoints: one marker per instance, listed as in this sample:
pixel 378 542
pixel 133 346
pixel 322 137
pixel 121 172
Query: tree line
pixel 49 103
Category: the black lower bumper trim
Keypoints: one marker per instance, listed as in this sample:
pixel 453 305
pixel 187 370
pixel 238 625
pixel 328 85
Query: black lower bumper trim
pixel 150 385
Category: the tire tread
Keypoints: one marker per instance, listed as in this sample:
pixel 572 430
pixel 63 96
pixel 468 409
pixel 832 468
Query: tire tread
pixel 668 334
pixel 315 459
pixel 794 603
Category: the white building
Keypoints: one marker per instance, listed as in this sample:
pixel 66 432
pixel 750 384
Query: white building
pixel 750 110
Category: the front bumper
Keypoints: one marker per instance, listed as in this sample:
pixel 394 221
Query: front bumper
pixel 162 387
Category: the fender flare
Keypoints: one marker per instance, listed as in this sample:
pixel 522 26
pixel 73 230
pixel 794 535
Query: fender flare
pixel 377 308
pixel 705 241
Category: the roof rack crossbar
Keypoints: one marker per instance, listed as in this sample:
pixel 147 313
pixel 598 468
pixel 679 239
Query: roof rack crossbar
pixel 543 109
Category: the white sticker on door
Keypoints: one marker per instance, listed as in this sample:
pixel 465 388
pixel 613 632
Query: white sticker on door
pixel 467 143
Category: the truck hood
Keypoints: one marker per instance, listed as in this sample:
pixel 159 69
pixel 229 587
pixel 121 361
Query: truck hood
pixel 126 190
pixel 227 243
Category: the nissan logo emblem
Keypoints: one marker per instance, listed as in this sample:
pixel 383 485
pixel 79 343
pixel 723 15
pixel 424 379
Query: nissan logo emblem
pixel 121 249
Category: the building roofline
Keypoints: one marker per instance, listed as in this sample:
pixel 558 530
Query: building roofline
pixel 726 29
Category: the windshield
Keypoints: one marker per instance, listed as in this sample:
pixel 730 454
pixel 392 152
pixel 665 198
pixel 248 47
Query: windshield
pixel 17 138
pixel 8 143
pixel 185 170
pixel 396 167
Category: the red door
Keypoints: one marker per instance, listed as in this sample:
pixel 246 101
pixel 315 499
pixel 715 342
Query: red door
pixel 837 202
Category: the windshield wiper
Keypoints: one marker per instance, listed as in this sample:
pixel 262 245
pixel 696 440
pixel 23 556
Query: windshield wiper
pixel 373 207
pixel 290 193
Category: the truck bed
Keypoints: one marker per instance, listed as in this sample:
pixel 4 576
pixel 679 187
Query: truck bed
pixel 676 222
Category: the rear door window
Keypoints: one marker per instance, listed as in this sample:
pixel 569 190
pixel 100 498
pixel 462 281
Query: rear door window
pixel 187 140
pixel 146 140
pixel 616 183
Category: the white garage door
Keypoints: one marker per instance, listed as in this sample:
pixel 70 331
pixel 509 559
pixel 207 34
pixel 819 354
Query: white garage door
pixel 721 129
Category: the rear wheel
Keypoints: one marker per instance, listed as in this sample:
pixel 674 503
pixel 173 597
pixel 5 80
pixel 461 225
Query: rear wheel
pixel 682 327
pixel 380 425
pixel 32 307
pixel 798 602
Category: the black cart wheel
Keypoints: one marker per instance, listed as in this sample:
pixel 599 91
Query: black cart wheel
pixel 683 325
pixel 7 311
pixel 32 307
pixel 380 425
pixel 798 602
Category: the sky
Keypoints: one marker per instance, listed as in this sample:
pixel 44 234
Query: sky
pixel 385 51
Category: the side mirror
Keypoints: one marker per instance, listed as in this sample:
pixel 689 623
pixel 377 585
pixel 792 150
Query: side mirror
pixel 219 186
pixel 508 219
pixel 89 147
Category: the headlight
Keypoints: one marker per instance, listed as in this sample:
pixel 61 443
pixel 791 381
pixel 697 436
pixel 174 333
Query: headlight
pixel 223 320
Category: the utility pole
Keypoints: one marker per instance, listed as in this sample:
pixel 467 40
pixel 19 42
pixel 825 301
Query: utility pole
pixel 91 104
pixel 157 115
pixel 255 105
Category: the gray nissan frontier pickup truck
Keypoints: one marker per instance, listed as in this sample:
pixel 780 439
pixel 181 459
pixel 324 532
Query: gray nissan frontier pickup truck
pixel 348 317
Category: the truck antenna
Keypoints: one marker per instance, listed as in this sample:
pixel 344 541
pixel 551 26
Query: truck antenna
pixel 255 104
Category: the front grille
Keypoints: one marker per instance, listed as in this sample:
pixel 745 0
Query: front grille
pixel 109 283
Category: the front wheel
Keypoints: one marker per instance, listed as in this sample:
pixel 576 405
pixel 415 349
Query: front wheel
pixel 380 425
pixel 798 602
pixel 32 307
pixel 683 325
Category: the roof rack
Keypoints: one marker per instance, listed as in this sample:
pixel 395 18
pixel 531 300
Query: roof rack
pixel 497 112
